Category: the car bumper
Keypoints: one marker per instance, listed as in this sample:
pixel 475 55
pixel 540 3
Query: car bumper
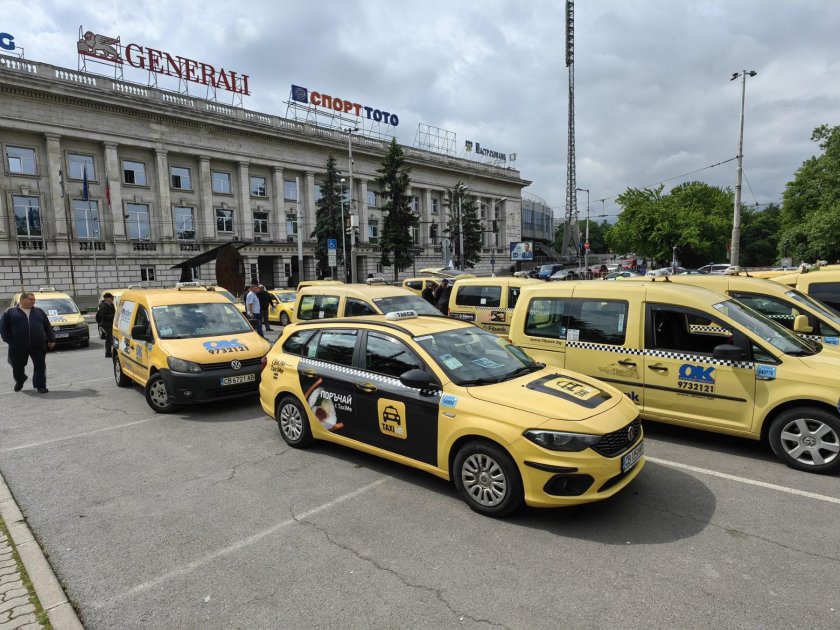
pixel 208 386
pixel 71 335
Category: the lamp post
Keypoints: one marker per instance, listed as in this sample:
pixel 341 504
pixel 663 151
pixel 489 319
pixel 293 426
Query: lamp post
pixel 462 189
pixel 343 249
pixel 586 242
pixel 735 249
pixel 353 278
pixel 494 222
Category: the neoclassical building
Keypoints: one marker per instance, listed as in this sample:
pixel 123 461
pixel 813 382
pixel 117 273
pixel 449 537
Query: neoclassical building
pixel 107 183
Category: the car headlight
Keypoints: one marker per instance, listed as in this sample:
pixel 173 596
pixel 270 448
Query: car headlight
pixel 179 365
pixel 560 440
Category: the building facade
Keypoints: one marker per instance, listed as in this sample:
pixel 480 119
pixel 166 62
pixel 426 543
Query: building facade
pixel 107 183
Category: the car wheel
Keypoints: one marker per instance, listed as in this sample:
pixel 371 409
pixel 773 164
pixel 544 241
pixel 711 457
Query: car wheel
pixel 807 439
pixel 157 396
pixel 293 422
pixel 102 333
pixel 121 379
pixel 487 479
pixel 284 319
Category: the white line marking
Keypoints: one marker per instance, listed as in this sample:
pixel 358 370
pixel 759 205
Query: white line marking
pixel 245 542
pixel 76 435
pixel 752 482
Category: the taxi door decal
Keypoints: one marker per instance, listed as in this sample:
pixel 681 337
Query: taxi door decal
pixel 393 420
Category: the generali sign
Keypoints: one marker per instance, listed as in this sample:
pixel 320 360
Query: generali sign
pixel 109 49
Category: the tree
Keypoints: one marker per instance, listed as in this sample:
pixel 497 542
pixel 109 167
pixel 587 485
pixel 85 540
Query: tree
pixel 458 200
pixel 396 240
pixel 327 217
pixel 760 236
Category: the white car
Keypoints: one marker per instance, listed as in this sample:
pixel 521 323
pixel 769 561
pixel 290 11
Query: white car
pixel 714 268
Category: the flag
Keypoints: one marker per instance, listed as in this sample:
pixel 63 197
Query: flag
pixel 85 190
pixel 108 192
pixel 61 182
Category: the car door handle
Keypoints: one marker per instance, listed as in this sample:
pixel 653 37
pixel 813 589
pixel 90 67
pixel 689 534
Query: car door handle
pixel 627 362
pixel 366 387
pixel 309 373
pixel 658 367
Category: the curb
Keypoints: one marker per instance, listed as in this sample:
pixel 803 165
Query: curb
pixel 47 588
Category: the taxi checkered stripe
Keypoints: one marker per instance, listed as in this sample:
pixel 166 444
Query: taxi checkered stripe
pixel 371 376
pixel 811 337
pixel 665 354
pixel 717 330
pixel 491 308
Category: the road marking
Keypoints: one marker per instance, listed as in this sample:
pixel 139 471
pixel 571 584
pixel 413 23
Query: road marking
pixel 245 542
pixel 752 482
pixel 90 380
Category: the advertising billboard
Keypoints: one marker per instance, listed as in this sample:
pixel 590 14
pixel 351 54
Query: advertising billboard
pixel 522 251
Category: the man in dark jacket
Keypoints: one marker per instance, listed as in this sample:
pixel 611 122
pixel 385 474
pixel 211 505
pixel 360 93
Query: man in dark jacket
pixel 428 293
pixel 28 332
pixel 443 297
pixel 266 300
pixel 105 318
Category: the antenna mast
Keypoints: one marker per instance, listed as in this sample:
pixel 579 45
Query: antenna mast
pixel 571 226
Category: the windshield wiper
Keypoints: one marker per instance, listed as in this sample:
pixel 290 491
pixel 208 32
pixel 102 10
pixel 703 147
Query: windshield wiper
pixel 482 381
pixel 525 369
pixel 489 380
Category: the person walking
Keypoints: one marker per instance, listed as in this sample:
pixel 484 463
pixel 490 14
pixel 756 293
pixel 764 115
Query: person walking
pixel 252 308
pixel 105 318
pixel 266 300
pixel 27 330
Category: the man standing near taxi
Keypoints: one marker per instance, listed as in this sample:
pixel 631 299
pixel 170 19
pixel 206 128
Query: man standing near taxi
pixel 252 308
pixel 29 334
pixel 105 318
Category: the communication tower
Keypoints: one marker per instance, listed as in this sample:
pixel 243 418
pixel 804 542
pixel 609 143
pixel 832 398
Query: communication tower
pixel 571 225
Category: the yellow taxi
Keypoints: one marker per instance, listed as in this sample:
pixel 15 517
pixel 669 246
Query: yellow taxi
pixel 238 303
pixel 68 323
pixel 692 357
pixel 185 345
pixel 282 307
pixel 316 283
pixel 355 300
pixel 488 302
pixel 456 401
pixel 822 284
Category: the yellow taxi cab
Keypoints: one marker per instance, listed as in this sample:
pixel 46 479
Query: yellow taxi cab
pixel 355 300
pixel 488 302
pixel 692 357
pixel 822 284
pixel 456 401
pixel 317 283
pixel 68 323
pixel 445 272
pixel 185 345
pixel 238 303
pixel 282 307
pixel 789 307
pixel 416 285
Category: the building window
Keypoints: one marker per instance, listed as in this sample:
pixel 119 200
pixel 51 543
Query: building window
pixel 318 194
pixel 259 187
pixel 291 224
pixel 435 203
pixel 415 204
pixel 134 173
pixel 180 178
pixel 86 219
pixel 27 216
pixel 224 220
pixel 290 190
pixel 78 164
pixel 21 161
pixel 373 231
pixel 253 267
pixel 221 182
pixel 184 223
pixel 147 274
pixel 137 223
pixel 371 199
pixel 261 223
pixel 433 233
pixel 415 235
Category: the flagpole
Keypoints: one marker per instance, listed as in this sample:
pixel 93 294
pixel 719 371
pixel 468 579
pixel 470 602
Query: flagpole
pixel 69 218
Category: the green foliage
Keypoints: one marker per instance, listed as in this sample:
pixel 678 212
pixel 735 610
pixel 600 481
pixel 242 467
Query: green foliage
pixel 457 199
pixel 328 222
pixel 394 181
pixel 760 236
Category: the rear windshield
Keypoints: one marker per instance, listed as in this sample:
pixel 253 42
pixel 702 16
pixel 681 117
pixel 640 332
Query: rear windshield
pixel 56 306
pixel 405 303
pixel 183 321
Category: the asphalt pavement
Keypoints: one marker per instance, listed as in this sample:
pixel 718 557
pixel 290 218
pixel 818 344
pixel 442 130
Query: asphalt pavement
pixel 204 518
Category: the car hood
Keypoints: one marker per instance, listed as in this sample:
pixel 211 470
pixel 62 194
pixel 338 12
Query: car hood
pixel 66 318
pixel 553 394
pixel 216 349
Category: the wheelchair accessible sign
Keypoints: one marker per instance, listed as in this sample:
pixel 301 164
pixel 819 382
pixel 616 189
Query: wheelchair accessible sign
pixel 332 252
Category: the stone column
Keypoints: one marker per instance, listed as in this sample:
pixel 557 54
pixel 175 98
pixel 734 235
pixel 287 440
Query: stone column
pixel 206 219
pixel 58 205
pixel 114 175
pixel 309 205
pixel 164 212
pixel 244 223
pixel 277 220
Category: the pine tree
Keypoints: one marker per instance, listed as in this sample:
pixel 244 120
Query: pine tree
pixel 458 200
pixel 327 218
pixel 396 240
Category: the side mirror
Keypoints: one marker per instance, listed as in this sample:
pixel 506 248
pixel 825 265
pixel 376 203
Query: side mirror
pixel 141 333
pixel 801 325
pixel 416 379
pixel 727 352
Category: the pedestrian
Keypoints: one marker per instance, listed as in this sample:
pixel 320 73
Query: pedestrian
pixel 105 318
pixel 266 299
pixel 252 308
pixel 438 291
pixel 27 330
pixel 428 292
pixel 443 299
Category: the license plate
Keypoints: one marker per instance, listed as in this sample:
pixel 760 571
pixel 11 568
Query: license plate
pixel 236 380
pixel 630 459
pixel 61 335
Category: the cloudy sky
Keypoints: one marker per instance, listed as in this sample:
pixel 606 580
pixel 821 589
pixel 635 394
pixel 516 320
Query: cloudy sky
pixel 653 96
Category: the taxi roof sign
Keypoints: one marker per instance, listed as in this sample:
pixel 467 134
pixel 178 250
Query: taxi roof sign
pixel 398 315
pixel 194 285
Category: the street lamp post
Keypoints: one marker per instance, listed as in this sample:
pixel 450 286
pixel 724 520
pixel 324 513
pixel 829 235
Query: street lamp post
pixel 493 221
pixel 343 249
pixel 462 189
pixel 586 242
pixel 735 249
pixel 353 278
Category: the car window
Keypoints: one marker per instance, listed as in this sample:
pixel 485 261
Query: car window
pixel 405 303
pixel 513 296
pixel 547 317
pixel 357 308
pixel 478 295
pixel 334 346
pixel 684 330
pixel 827 292
pixel 318 307
pixel 142 317
pixel 389 356
pixel 598 321
pixel 414 284
pixel 296 343
pixel 779 311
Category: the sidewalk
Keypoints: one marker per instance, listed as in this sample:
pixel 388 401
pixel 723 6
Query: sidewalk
pixel 16 607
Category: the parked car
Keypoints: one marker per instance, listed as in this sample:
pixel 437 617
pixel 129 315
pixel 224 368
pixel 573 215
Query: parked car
pixel 546 271
pixel 565 274
pixel 627 273
pixel 715 268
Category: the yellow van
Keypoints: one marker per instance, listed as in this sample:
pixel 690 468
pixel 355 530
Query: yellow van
pixel 67 320
pixel 488 302
pixel 822 285
pixel 185 345
pixel 416 285
pixel 692 357
pixel 789 307
pixel 317 283
pixel 355 300
pixel 281 310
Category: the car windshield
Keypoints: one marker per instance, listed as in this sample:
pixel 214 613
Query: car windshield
pixel 546 268
pixel 472 356
pixel 286 297
pixel 405 303
pixel 823 309
pixel 56 306
pixel 183 321
pixel 779 336
pixel 227 294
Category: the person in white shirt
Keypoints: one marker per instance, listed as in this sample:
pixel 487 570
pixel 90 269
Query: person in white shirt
pixel 252 308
